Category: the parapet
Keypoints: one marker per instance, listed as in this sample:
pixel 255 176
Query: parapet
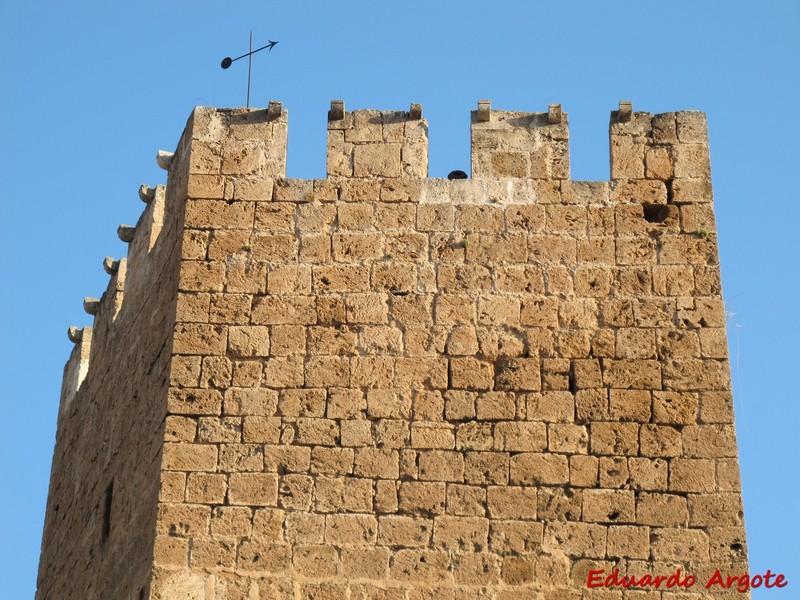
pixel 661 157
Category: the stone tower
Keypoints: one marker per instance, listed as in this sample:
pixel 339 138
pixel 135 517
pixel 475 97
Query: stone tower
pixel 379 386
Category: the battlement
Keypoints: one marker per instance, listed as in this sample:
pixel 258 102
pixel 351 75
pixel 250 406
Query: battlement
pixel 383 385
pixel 505 144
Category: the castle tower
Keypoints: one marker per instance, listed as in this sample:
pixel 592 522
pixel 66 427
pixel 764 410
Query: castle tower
pixel 380 386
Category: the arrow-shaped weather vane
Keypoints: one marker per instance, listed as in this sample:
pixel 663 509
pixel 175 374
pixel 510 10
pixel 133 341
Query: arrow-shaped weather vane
pixel 228 61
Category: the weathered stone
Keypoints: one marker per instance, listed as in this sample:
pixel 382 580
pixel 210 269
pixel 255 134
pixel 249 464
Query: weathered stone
pixel 380 386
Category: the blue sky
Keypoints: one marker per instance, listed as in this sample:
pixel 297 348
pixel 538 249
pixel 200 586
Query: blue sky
pixel 91 90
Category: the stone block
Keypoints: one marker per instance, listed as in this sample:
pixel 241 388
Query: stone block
pixel 466 500
pixel 215 214
pixel 512 502
pixel 460 533
pixel 567 438
pixel 627 158
pixel 470 373
pixel 679 544
pixel 692 475
pixel 530 468
pixel 377 160
pixel 551 406
pixel 609 506
pixel 441 465
pixel 405 532
pixel 496 406
pixel 714 510
pixel 183 520
pixel 630 405
pixel 521 374
pixel 422 498
pixel 421 567
pixel 576 539
pixel 583 471
pixel 190 457
pixel 264 556
pixel 426 435
pixel 628 541
pixel 632 374
pixel 486 468
pixel 520 436
pixel 253 489
pixel 351 530
pixel 249 341
pixel 377 463
pixel 609 438
pixel 560 504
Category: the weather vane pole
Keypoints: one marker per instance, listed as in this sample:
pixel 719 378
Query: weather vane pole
pixel 228 61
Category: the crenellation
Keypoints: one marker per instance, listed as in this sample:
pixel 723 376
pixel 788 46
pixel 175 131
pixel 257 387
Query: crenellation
pixel 77 366
pixel 115 291
pixel 370 143
pixel 520 145
pixel 383 385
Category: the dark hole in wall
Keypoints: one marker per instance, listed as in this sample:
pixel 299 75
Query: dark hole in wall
pixel 655 213
pixel 106 531
pixel 573 386
pixel 670 193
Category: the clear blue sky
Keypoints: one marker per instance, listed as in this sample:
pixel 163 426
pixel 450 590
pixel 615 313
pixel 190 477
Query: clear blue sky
pixel 90 90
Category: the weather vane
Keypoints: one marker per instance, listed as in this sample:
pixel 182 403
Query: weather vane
pixel 228 61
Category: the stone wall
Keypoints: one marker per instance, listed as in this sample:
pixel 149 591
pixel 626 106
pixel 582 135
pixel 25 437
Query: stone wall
pixel 100 521
pixel 384 386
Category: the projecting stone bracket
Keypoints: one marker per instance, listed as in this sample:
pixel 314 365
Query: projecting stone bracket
pixel 146 193
pixel 91 305
pixel 164 159
pixel 625 111
pixel 75 335
pixel 274 110
pixel 336 113
pixel 110 265
pixel 484 110
pixel 126 233
pixel 554 114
